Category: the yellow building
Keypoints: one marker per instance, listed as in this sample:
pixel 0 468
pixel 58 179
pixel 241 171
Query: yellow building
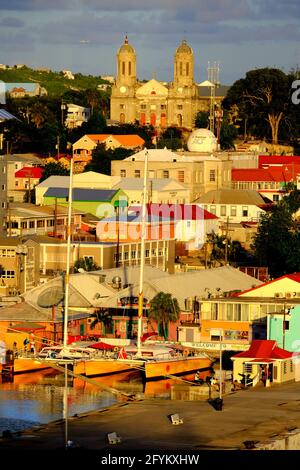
pixel 158 103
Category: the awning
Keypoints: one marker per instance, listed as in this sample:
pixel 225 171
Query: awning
pixel 102 346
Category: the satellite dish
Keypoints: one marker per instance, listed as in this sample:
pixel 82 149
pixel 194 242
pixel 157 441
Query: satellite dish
pixel 50 296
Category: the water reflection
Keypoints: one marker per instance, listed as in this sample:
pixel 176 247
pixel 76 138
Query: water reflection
pixel 38 398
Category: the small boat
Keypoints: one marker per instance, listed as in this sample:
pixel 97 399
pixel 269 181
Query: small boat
pixel 26 364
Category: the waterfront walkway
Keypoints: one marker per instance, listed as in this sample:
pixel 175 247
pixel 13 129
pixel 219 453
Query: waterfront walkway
pixel 253 414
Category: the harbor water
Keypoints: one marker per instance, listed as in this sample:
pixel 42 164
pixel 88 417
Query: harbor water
pixel 38 398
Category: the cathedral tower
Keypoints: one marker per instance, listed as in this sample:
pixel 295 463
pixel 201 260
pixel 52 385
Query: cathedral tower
pixel 126 65
pixel 184 66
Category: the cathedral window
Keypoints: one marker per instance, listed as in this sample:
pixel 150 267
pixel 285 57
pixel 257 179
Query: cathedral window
pixel 122 106
pixel 123 68
pixel 129 68
pixel 180 68
pixel 162 106
pixel 143 106
pixel 179 106
pixel 187 68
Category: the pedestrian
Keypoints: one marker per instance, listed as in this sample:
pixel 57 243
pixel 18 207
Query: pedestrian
pixel 32 346
pixel 25 343
pixel 15 349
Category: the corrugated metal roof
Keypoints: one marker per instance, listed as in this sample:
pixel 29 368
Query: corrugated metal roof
pixel 81 194
pixel 55 182
pixel 232 196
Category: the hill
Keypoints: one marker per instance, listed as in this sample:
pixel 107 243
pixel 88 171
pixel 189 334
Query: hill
pixel 54 82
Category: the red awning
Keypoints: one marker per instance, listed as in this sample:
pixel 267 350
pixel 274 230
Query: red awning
pixel 148 336
pixel 102 346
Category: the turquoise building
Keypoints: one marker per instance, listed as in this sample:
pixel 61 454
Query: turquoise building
pixel 284 328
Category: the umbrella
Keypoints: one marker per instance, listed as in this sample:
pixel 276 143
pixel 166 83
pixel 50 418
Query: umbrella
pixel 102 346
pixel 27 326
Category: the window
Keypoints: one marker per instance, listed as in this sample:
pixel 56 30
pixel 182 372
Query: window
pixel 31 224
pixel 122 106
pixel 275 197
pixel 181 176
pixel 284 368
pixel 245 211
pixel 291 366
pixel 123 173
pixel 233 211
pixel 23 224
pixel 286 325
pixel 16 183
pixel 147 253
pixel 137 173
pixel 165 174
pixel 162 106
pixel 187 68
pixel 247 368
pixel 129 68
pixel 40 223
pixel 133 254
pixel 179 106
pixel 50 223
pixel 214 311
pixel 123 68
pixel 3 187
pixel 3 205
pixel 143 106
pixel 126 255
pixel 212 209
pixel 212 175
pixel 223 210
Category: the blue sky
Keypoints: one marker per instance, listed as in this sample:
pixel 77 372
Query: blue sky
pixel 84 35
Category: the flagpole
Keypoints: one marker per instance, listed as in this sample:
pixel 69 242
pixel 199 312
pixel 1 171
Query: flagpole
pixel 143 234
pixel 67 282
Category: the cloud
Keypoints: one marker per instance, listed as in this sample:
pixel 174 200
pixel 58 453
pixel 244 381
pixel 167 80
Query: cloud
pixel 11 22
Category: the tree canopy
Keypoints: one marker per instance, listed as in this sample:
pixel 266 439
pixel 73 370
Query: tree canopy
pixel 102 158
pixel 164 309
pixel 263 96
pixel 277 242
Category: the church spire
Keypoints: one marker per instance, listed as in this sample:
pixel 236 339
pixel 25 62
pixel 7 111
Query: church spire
pixel 126 39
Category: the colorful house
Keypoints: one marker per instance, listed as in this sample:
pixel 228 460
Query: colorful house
pixel 265 361
pixel 283 327
pixel 99 202
pixel 86 144
pixel 287 286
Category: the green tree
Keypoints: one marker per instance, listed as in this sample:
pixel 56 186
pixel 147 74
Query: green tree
pixel 85 263
pixel 262 96
pixel 102 158
pixel 201 120
pixel 277 242
pixel 228 134
pixel 54 168
pixel 164 309
pixel 101 315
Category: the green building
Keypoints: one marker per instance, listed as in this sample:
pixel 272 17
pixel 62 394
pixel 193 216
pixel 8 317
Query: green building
pixel 99 202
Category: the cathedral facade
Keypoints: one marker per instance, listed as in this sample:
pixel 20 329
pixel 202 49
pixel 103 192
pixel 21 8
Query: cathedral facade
pixel 155 103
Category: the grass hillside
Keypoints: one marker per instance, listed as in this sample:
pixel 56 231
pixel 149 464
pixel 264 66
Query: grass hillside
pixel 54 82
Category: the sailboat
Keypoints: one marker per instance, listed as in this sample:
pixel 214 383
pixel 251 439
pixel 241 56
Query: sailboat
pixel 154 361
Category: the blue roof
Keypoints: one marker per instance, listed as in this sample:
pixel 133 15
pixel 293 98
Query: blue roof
pixel 81 194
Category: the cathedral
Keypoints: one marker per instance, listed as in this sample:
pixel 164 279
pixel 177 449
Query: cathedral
pixel 155 103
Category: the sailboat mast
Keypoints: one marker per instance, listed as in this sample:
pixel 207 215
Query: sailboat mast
pixel 67 282
pixel 143 230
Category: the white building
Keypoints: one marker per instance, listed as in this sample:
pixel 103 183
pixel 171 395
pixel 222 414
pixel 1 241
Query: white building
pixel 234 205
pixel 76 115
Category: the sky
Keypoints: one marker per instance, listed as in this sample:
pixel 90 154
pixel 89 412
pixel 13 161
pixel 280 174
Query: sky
pixel 85 35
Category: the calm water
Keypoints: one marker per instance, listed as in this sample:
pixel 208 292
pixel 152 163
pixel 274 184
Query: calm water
pixel 38 398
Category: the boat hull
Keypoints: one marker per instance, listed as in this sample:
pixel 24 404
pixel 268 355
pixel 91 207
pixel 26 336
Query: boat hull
pixel 102 367
pixel 27 364
pixel 162 369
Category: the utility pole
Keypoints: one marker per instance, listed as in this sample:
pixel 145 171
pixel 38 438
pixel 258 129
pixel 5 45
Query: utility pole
pixel 226 242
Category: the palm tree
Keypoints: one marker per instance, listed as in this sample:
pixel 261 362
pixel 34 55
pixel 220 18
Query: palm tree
pixel 164 309
pixel 103 316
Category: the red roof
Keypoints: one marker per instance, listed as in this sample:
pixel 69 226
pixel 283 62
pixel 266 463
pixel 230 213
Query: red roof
pixel 265 160
pixel 29 172
pixel 264 349
pixel 294 277
pixel 176 211
pixel 279 174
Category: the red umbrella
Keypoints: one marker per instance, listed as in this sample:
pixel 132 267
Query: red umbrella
pixel 102 346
